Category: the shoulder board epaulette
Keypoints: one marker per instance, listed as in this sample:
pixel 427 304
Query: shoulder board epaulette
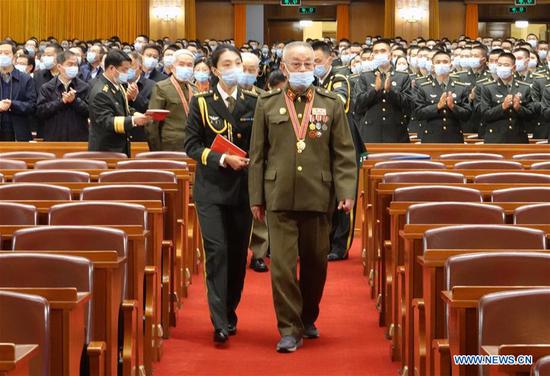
pixel 206 93
pixel 538 74
pixel 461 83
pixel 270 93
pixel 251 93
pixel 482 80
pixel 105 88
pixel 524 83
pixel 547 85
pixel 326 93
pixel 354 75
pixel 455 74
pixel 426 83
pixel 489 83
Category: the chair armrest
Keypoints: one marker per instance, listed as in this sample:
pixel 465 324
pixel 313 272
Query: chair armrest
pixel 129 351
pixel 442 357
pixel 96 356
pixel 419 317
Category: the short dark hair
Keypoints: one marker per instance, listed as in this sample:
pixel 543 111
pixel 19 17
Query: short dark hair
pixel 509 55
pixel 480 47
pixel 441 52
pixel 63 56
pixel 275 78
pixel 55 46
pixel 13 48
pixel 380 41
pixel 155 47
pixel 496 51
pixel 116 58
pixel 30 60
pixel 220 50
pixel 200 60
pixel 322 46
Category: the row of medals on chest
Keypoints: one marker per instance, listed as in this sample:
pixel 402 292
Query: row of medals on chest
pixel 317 125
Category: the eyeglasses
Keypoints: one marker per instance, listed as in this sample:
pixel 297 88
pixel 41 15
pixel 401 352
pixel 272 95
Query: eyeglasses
pixel 296 65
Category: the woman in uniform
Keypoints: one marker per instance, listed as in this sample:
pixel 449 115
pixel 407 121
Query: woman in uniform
pixel 221 186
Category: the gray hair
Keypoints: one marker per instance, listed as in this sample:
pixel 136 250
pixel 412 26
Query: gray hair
pixel 293 45
pixel 184 52
pixel 250 56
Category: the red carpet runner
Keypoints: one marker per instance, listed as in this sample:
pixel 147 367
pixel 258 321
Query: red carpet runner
pixel 351 342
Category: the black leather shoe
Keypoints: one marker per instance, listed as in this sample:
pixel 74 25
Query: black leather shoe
pixel 258 265
pixel 311 331
pixel 220 337
pixel 232 329
pixel 332 256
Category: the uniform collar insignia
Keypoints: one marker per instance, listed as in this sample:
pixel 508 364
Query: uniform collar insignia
pixel 294 96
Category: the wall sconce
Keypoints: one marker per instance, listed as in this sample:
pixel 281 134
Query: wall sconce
pixel 411 14
pixel 167 13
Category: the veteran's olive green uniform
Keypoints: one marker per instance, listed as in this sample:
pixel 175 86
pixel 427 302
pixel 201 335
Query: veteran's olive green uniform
pixel 298 190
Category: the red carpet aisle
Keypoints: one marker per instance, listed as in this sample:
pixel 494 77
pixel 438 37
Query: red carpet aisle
pixel 351 342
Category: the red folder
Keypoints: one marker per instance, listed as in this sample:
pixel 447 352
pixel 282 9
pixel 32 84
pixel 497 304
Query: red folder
pixel 223 146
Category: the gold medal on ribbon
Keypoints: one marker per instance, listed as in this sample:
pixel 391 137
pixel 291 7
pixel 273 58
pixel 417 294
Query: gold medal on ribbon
pixel 300 128
pixel 300 146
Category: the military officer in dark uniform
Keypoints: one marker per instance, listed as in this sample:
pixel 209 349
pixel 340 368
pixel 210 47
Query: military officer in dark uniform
pixel 506 105
pixel 541 82
pixel 301 158
pixel 545 105
pixel 220 191
pixel 383 99
pixel 442 104
pixel 328 78
pixel 110 116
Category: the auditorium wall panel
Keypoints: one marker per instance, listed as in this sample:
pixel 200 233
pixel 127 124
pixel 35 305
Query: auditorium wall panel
pixel 85 19
pixel 451 19
pixel 366 18
pixel 214 20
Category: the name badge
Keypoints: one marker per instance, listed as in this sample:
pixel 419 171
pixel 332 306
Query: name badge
pixel 319 111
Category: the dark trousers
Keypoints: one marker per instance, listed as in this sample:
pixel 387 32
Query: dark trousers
pixel 341 234
pixel 226 233
pixel 292 235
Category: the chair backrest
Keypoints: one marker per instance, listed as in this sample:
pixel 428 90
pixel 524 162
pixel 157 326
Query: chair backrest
pixel 152 164
pixel 12 164
pixel 514 317
pixel 532 156
pixel 161 155
pixel 397 156
pixel 532 214
pixel 137 176
pixel 470 156
pixel 482 236
pixel 437 193
pixel 122 192
pixel 423 177
pixel 521 194
pixel 47 270
pixel 425 165
pixel 26 320
pixel 512 177
pixel 98 214
pixel 34 191
pixel 14 214
pixel 95 154
pixel 541 367
pixel 51 176
pixel 489 165
pixel 541 166
pixel 1 178
pixel 455 213
pixel 27 155
pixel 71 164
pixel 498 269
pixel 74 238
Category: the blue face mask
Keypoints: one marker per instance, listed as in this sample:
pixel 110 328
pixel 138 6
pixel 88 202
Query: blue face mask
pixel 319 71
pixel 356 69
pixel 520 65
pixel 131 74
pixel 442 69
pixel 279 52
pixel 5 61
pixel 231 76
pixel 429 65
pixel 48 62
pixel 380 60
pixel 201 76
pixel 367 66
pixel 247 79
pixel 300 80
pixel 150 62
pixel 421 62
pixel 168 60
pixel 71 72
pixel 504 73
pixel 21 68
pixel 183 74
pixel 90 57
pixel 122 77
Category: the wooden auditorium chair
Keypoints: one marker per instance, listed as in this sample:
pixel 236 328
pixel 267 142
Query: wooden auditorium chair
pixel 541 367
pixel 471 156
pixel 532 156
pixel 488 165
pixel 51 176
pixel 71 164
pixel 423 177
pixel 27 155
pixel 512 177
pixel 34 191
pixel 532 214
pixel 162 155
pixel 521 194
pixel 416 165
pixel 541 166
pixel 12 164
pixel 95 155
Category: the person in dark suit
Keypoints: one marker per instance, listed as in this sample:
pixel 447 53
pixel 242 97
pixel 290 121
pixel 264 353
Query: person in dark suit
pixel 17 98
pixel 442 103
pixel 151 56
pixel 383 99
pixel 506 105
pixel 92 68
pixel 62 105
pixel 111 117
pixel 220 191
pixel 138 92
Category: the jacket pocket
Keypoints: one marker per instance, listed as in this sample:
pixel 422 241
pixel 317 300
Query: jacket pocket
pixel 270 174
pixel 278 119
pixel 326 176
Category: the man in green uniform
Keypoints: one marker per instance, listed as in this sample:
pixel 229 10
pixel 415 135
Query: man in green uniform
pixel 302 155
pixel 110 116
pixel 172 94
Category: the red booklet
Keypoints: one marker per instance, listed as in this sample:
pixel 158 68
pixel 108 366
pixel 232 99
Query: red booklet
pixel 223 146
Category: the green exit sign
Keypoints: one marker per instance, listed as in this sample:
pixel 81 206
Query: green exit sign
pixel 517 10
pixel 306 10
pixel 291 3
pixel 525 2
